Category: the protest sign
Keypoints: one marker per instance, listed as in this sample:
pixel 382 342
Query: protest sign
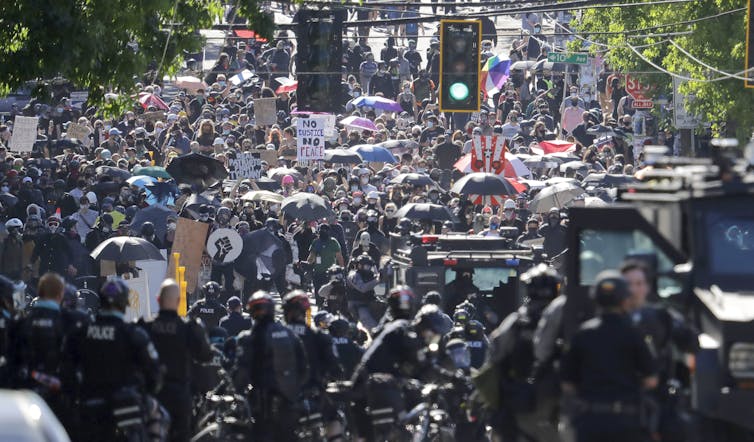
pixel 189 242
pixel 154 117
pixel 265 111
pixel 224 245
pixel 78 98
pixel 310 137
pixel 24 133
pixel 245 165
pixel 79 132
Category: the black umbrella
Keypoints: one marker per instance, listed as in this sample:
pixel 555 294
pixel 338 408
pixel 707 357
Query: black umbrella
pixel 607 180
pixel 399 144
pixel 156 214
pixel 342 156
pixel 196 169
pixel 127 248
pixel 415 179
pixel 8 199
pixel 196 200
pixel 601 130
pixel 481 183
pixel 306 206
pixel 113 172
pixel 424 211
pixel 263 246
pixel 104 188
pixel 544 65
pixel 270 184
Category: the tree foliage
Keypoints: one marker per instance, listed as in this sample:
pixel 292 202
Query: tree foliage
pixel 98 44
pixel 718 42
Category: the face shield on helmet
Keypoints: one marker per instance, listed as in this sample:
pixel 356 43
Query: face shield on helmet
pixel 458 353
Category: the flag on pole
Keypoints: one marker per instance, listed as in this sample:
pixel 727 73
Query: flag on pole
pixel 494 74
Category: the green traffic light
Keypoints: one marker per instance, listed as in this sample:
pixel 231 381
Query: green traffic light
pixel 459 91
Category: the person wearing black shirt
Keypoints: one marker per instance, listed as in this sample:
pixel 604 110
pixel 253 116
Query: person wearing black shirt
pixel 433 130
pixel 605 368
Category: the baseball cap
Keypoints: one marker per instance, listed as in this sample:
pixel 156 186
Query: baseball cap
pixel 115 131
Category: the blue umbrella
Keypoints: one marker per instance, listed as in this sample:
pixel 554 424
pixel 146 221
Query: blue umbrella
pixel 374 153
pixel 141 180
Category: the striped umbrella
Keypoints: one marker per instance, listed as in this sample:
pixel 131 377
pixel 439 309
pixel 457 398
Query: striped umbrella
pixel 494 74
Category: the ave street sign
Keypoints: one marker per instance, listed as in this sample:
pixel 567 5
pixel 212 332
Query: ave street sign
pixel 643 104
pixel 564 57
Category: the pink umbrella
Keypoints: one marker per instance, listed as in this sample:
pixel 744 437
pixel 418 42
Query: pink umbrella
pixel 146 99
pixel 553 146
pixel 358 123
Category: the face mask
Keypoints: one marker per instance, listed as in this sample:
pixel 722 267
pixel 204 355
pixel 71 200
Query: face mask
pixel 553 220
pixel 204 217
pixel 356 94
pixel 85 207
pixel 509 214
pixel 357 200
pixel 221 83
pixel 364 180
pixel 5 188
pixel 60 110
pixel 226 131
pixel 532 230
pixel 354 188
pixel 494 226
pixel 574 102
pixel 430 125
pixel 406 89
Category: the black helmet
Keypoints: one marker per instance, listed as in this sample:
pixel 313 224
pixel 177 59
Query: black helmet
pixel 322 319
pixel 404 225
pixel 114 294
pixel 461 317
pixel 469 307
pixel 211 290
pixel 346 216
pixel 324 229
pixel 339 327
pixel 429 318
pixel 610 289
pixel 261 305
pixel 296 303
pixel 364 260
pixel 432 297
pixel 147 229
pixel 335 270
pixel 401 301
pixel 474 328
pixel 542 282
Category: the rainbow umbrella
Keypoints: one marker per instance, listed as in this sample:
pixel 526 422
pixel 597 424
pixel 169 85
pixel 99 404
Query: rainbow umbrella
pixel 494 74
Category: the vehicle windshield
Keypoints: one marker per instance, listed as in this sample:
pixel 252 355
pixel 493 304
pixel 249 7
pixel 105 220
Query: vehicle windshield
pixel 730 246
pixel 485 278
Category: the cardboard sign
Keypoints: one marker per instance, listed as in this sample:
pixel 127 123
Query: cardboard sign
pixel 189 242
pixel 154 116
pixel 24 133
pixel 245 165
pixel 79 132
pixel 265 111
pixel 310 138
pixel 224 245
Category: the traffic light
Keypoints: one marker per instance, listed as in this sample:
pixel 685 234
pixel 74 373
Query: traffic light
pixel 460 41
pixel 319 58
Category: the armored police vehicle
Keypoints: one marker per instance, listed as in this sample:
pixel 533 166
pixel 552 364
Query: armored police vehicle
pixel 483 269
pixel 693 219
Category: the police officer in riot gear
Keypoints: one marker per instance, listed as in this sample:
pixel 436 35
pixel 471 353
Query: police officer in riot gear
pixel 434 297
pixel 180 342
pixel 37 345
pixel 209 309
pixel 665 332
pixel 401 305
pixel 117 365
pixel 606 367
pixel 6 322
pixel 347 351
pixel 320 353
pixel 272 360
pixel 512 351
pixel 361 283
pixel 236 321
pixel 471 332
